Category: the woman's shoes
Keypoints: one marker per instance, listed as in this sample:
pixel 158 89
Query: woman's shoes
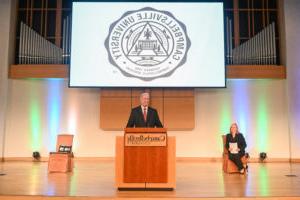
pixel 244 170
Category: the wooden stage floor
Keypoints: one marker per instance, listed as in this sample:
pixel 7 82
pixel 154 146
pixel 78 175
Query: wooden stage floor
pixel 95 180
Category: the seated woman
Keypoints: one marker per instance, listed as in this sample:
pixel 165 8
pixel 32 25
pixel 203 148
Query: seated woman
pixel 236 144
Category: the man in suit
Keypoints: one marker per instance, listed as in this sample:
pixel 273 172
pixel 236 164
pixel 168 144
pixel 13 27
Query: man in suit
pixel 144 115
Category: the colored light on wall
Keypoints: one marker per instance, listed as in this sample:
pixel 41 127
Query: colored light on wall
pixel 72 121
pixel 225 122
pixel 241 108
pixel 225 118
pixel 262 124
pixel 72 124
pixel 235 108
pixel 54 110
pixel 35 125
pixel 294 105
pixel 241 104
pixel 35 118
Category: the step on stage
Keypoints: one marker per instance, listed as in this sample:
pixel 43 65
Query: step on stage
pixel 95 180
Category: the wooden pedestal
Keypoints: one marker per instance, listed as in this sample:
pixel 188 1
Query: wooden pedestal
pixel 142 167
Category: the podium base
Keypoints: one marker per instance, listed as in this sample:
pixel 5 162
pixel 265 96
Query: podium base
pixel 145 189
pixel 119 170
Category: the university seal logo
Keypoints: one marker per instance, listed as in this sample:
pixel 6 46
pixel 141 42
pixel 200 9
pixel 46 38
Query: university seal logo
pixel 147 43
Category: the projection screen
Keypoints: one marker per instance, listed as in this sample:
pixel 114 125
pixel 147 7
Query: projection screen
pixel 147 44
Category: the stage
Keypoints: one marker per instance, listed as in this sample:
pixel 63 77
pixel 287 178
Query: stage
pixel 95 180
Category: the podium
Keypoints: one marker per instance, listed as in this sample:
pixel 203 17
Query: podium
pixel 145 159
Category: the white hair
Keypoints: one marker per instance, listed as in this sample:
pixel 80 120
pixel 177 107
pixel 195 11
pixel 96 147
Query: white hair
pixel 144 93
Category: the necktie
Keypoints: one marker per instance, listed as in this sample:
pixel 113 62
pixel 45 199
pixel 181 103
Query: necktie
pixel 145 114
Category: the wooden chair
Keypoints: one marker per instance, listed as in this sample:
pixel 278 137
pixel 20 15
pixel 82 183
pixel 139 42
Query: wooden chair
pixel 62 159
pixel 228 165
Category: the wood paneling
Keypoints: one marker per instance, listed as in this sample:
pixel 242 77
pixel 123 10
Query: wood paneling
pixel 119 167
pixel 178 92
pixel 58 22
pixel 145 164
pixel 157 101
pixel 256 71
pixel 158 104
pixel 236 22
pixel 95 180
pixel 136 92
pixel 145 130
pixel 148 196
pixel 156 92
pixel 135 101
pixel 171 183
pixel 232 71
pixel 179 113
pixel 114 112
pixel 116 92
pixel 39 71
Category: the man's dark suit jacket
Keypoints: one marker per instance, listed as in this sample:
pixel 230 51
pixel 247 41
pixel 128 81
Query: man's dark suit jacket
pixel 136 118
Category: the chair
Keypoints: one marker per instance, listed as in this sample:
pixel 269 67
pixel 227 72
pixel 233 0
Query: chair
pixel 228 165
pixel 62 159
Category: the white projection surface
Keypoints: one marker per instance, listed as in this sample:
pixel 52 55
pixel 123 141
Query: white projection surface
pixel 147 44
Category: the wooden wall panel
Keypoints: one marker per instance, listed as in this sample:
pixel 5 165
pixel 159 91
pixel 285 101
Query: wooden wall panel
pixel 175 92
pixel 113 115
pixel 158 104
pixel 136 92
pixel 179 113
pixel 39 71
pixel 155 102
pixel 156 92
pixel 118 92
pixel 256 71
pixel 58 22
pixel 114 112
pixel 119 167
pixel 232 71
pixel 135 101
pixel 141 166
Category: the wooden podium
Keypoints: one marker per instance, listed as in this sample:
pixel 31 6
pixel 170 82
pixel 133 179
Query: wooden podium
pixel 145 159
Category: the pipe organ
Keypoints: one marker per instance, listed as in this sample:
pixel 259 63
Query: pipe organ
pixel 258 50
pixel 35 49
